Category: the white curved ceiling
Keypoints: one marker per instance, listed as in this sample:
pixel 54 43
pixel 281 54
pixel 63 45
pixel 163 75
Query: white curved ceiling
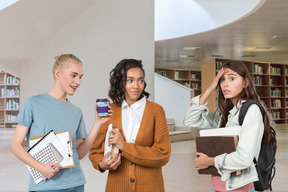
pixel 251 35
pixel 176 18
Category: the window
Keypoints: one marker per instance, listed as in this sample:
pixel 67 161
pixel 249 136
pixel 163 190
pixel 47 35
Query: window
pixel 6 3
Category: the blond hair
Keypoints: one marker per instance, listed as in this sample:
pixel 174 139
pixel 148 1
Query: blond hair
pixel 62 60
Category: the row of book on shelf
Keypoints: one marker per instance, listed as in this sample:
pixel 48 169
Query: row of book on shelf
pixel 10 118
pixel 276 103
pixel 275 92
pixel 275 71
pixel 162 72
pixel 277 115
pixel 218 65
pixel 10 92
pixel 192 85
pixel 193 76
pixel 12 104
pixel 12 80
pixel 272 81
pixel 258 69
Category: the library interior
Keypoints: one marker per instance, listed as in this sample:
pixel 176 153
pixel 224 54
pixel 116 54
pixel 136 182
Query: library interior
pixel 182 45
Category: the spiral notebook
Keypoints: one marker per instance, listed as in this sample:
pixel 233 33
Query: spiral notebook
pixel 47 149
pixel 65 139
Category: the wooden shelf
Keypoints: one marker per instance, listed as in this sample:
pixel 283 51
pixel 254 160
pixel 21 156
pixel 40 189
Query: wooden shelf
pixel 9 97
pixel 188 78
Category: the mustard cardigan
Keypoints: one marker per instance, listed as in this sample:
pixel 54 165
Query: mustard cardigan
pixel 141 163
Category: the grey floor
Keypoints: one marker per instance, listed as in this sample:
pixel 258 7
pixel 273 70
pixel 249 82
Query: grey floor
pixel 179 174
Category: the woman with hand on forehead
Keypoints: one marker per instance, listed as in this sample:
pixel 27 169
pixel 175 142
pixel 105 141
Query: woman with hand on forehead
pixel 143 137
pixel 53 111
pixel 235 87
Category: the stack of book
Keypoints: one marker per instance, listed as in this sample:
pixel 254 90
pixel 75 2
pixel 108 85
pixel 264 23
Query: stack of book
pixel 213 142
pixel 52 147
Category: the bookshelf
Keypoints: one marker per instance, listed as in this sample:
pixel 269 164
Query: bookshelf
pixel 270 79
pixel 188 78
pixel 9 99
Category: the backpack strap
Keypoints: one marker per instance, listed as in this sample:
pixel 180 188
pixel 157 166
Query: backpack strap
pixel 244 110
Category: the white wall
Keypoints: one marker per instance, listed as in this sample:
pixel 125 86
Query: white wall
pixel 10 67
pixel 101 36
pixel 174 98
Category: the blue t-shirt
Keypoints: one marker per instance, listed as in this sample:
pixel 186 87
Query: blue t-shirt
pixel 42 113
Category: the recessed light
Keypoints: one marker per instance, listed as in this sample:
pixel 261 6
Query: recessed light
pixel 280 37
pixel 186 56
pixel 218 56
pixel 263 47
pixel 248 55
pixel 191 48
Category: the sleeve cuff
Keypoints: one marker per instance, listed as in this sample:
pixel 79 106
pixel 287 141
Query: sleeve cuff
pixel 196 100
pixel 218 161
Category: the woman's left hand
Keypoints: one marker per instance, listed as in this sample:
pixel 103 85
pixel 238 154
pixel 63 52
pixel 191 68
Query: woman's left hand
pixel 103 120
pixel 116 138
pixel 202 161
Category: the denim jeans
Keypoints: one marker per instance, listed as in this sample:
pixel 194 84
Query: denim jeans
pixel 73 189
pixel 252 190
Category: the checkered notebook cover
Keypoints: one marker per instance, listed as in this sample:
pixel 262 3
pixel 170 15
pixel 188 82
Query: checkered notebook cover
pixel 44 151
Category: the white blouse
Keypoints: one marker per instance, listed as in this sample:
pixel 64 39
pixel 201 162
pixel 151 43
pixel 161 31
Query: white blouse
pixel 131 118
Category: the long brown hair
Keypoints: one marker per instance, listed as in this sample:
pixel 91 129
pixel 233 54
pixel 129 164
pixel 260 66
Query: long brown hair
pixel 248 93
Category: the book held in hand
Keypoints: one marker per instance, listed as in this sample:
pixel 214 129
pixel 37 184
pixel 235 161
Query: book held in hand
pixel 55 148
pixel 48 154
pixel 108 148
pixel 213 142
pixel 65 139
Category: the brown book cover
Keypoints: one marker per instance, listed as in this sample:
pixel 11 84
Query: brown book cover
pixel 213 146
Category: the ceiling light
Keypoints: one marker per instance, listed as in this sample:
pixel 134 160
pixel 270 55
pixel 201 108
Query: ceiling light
pixel 218 56
pixel 248 55
pixel 280 37
pixel 191 48
pixel 263 47
pixel 185 61
pixel 186 56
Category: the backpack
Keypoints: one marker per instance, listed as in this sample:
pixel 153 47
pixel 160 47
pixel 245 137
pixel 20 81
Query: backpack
pixel 266 161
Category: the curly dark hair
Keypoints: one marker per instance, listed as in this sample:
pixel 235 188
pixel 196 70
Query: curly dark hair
pixel 118 77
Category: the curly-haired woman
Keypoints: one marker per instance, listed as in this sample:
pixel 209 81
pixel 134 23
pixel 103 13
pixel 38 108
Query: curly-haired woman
pixel 143 137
